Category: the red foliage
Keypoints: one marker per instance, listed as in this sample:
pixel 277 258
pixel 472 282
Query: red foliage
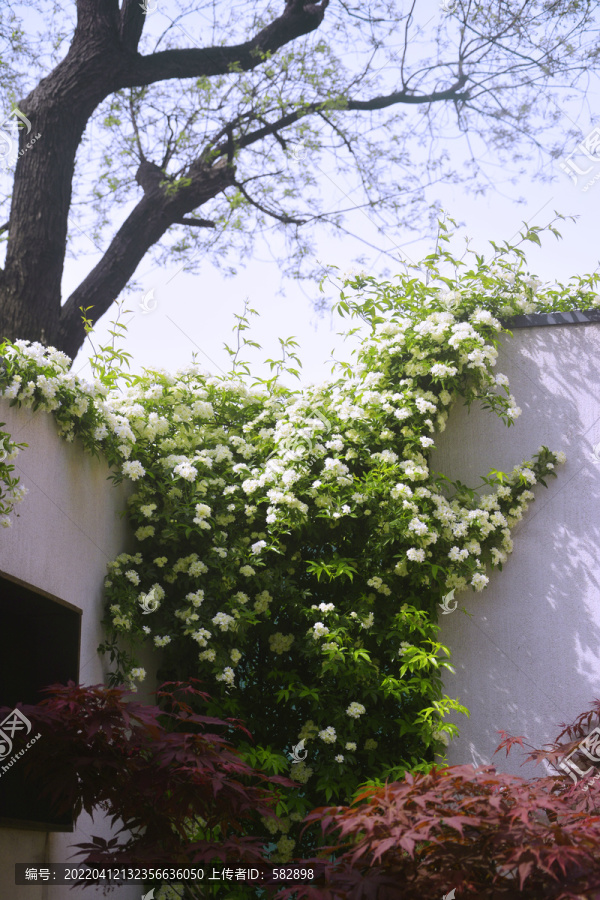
pixel 151 770
pixel 576 794
pixel 486 834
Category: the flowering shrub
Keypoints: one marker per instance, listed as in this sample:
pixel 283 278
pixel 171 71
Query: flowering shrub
pixel 485 834
pixel 293 545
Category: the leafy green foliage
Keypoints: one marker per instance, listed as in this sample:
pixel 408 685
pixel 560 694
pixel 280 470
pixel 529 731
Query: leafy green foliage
pixel 10 492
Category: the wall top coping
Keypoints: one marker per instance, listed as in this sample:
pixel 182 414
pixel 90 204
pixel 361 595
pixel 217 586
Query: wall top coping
pixel 538 320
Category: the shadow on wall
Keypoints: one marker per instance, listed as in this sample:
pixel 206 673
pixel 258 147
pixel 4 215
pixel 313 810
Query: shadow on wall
pixel 529 659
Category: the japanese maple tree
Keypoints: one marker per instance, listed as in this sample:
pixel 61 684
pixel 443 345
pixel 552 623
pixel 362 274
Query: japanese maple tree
pixel 483 833
pixel 169 776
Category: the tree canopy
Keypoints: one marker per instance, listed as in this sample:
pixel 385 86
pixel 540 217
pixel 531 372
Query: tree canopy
pixel 186 129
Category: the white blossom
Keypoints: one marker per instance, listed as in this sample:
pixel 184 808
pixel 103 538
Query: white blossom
pixel 133 469
pixel 319 629
pixel 223 620
pixel 138 674
pixel 479 581
pixel 227 675
pixel 415 554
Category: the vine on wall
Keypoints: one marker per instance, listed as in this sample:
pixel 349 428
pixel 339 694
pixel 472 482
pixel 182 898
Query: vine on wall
pixel 292 545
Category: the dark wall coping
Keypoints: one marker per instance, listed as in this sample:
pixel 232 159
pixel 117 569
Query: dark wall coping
pixel 538 320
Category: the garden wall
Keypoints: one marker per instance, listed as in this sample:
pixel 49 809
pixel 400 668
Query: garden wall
pixel 67 530
pixel 529 658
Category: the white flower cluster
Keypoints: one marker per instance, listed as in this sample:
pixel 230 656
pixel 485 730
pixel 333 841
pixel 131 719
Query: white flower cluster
pixel 137 674
pixel 223 621
pixel 227 675
pixel 379 585
pixel 355 710
pixel 202 512
pixel 301 773
pixel 262 602
pixel 328 735
pixel 324 607
pixel 280 643
pixel 133 470
pixel 201 636
pixel 319 630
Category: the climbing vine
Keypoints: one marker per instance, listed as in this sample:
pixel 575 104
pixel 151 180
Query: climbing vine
pixel 291 546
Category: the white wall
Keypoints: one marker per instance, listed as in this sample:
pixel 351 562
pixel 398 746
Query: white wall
pixel 529 659
pixel 67 530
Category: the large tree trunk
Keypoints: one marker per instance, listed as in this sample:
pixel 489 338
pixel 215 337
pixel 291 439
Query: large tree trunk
pixel 103 59
pixel 30 286
pixel 58 109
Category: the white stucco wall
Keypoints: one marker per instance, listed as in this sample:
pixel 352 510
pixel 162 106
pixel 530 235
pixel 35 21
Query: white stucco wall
pixel 529 659
pixel 67 530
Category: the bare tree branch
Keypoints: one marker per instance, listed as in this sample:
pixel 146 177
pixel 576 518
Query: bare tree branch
pixel 162 206
pixel 281 217
pixel 298 18
pixel 343 105
pixel 196 223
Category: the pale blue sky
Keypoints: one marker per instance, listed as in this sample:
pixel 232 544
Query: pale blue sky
pixel 195 313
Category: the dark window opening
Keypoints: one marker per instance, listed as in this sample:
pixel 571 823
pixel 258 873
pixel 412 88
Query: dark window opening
pixel 40 646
